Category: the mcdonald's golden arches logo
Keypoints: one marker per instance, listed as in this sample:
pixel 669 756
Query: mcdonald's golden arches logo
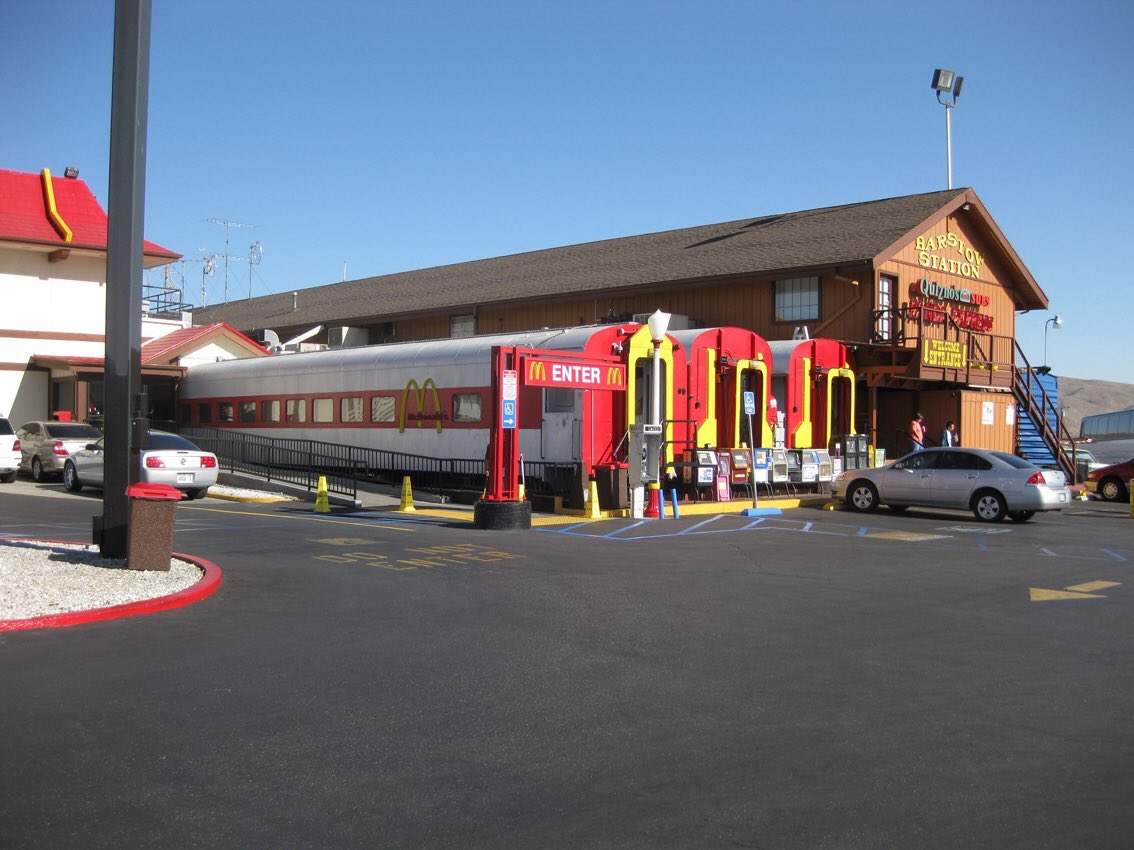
pixel 537 371
pixel 615 376
pixel 417 393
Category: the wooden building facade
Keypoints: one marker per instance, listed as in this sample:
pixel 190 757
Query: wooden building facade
pixel 924 290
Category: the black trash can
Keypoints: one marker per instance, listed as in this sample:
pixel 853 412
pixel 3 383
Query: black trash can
pixel 611 483
pixel 153 513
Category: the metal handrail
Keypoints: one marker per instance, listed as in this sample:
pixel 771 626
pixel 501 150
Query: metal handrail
pixel 1038 409
pixel 302 462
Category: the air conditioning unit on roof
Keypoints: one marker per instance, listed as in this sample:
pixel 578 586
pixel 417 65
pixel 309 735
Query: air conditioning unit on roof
pixel 677 322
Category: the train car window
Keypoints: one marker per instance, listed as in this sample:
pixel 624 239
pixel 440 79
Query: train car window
pixel 247 411
pixel 382 409
pixel 224 411
pixel 296 410
pixel 323 410
pixel 558 400
pixel 270 410
pixel 186 413
pixel 466 407
pixel 204 412
pixel 351 409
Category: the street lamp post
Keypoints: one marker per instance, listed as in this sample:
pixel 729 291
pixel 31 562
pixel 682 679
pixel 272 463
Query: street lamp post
pixel 658 324
pixel 1053 322
pixel 946 82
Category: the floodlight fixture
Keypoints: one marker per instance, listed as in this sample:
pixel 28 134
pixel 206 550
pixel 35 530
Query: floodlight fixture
pixel 943 79
pixel 948 83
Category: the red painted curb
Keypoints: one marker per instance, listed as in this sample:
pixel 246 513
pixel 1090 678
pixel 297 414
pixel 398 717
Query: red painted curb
pixel 208 585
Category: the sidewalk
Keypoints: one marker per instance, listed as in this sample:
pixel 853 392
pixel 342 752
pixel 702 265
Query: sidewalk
pixel 372 496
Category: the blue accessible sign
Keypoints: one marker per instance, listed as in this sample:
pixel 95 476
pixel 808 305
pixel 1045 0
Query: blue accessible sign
pixel 749 403
pixel 508 413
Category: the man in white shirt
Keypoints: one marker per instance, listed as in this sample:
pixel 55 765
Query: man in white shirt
pixel 949 435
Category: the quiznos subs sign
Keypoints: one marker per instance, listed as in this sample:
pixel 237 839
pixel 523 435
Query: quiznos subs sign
pixel 578 375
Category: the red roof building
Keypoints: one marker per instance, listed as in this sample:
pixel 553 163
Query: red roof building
pixel 58 215
pixel 53 234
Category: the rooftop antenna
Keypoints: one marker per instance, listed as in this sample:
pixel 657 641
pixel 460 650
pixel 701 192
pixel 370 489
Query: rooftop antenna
pixel 228 225
pixel 255 254
pixel 208 266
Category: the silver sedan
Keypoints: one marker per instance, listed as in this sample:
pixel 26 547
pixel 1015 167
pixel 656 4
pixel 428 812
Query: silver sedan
pixel 990 484
pixel 45 446
pixel 166 459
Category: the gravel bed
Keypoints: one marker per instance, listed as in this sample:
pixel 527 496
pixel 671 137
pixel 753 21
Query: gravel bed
pixel 39 579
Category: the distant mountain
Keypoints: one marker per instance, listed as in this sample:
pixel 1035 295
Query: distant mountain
pixel 1080 397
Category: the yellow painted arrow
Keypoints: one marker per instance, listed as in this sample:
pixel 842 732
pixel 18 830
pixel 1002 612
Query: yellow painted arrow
pixel 1094 585
pixel 1040 595
pixel 1075 591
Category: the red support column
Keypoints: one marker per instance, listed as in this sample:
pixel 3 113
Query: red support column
pixel 503 447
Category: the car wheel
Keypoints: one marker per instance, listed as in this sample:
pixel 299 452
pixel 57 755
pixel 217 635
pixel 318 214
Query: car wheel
pixel 36 469
pixel 8 477
pixel 1112 490
pixel 199 493
pixel 989 506
pixel 1021 516
pixel 71 478
pixel 862 496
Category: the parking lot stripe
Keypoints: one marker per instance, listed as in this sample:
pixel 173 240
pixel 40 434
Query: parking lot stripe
pixel 306 518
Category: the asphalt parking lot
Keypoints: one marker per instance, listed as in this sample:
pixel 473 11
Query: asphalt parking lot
pixel 368 678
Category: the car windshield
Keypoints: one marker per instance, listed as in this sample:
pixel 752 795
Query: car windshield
pixel 158 441
pixel 74 431
pixel 1013 460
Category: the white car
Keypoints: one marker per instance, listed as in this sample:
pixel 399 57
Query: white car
pixel 990 484
pixel 9 452
pixel 166 459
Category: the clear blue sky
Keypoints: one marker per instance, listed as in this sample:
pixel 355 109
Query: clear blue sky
pixel 400 135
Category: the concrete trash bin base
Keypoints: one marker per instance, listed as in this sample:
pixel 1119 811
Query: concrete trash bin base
pixel 153 513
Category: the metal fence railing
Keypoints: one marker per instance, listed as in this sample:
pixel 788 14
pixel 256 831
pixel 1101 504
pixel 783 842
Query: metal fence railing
pixel 301 463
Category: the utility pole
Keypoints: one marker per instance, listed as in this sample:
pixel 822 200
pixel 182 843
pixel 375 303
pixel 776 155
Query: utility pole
pixel 125 420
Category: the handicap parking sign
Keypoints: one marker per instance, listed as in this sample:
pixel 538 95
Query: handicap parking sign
pixel 749 403
pixel 508 413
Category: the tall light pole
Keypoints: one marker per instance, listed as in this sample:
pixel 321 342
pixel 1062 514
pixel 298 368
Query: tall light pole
pixel 1053 322
pixel 947 83
pixel 658 324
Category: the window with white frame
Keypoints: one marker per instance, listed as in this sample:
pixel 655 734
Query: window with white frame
pixel 882 327
pixel 797 299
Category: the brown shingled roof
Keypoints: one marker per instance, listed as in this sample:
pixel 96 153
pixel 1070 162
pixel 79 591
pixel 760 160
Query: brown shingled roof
pixel 796 240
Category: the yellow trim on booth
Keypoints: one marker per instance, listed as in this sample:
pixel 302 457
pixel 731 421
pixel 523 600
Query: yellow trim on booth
pixel 767 438
pixel 707 430
pixel 642 348
pixel 804 434
pixel 831 376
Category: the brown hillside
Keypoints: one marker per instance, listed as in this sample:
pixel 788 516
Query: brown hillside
pixel 1080 397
